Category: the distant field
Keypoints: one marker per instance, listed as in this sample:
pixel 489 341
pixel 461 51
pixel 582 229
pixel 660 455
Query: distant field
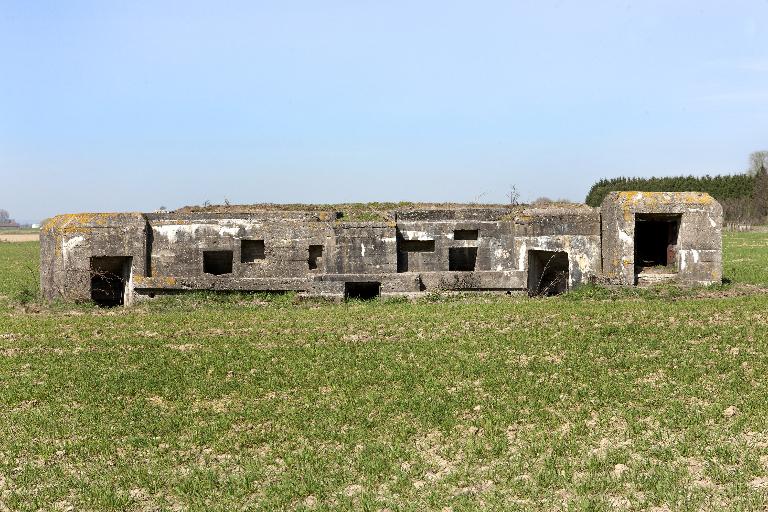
pixel 22 231
pixel 19 235
pixel 597 400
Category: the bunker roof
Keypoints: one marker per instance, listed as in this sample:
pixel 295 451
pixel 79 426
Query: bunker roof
pixel 632 197
pixel 362 207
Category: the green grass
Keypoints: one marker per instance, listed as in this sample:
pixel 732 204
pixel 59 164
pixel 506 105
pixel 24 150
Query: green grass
pixel 592 401
pixel 19 270
pixel 745 257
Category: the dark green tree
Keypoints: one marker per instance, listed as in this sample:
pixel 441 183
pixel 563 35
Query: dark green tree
pixel 760 194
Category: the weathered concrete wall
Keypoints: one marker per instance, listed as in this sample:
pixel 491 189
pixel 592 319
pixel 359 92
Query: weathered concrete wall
pixel 699 241
pixel 404 251
pixel 68 242
pixel 362 248
pixel 178 243
pixel 481 229
pixel 575 231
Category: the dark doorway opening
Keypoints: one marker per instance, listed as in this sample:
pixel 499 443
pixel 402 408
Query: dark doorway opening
pixel 547 273
pixel 315 256
pixel 462 259
pixel 362 291
pixel 465 234
pixel 408 246
pixel 251 250
pixel 656 242
pixel 217 262
pixel 109 275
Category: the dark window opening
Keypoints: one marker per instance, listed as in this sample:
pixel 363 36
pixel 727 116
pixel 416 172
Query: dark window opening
pixel 402 261
pixel 251 250
pixel 315 256
pixel 217 262
pixel 656 242
pixel 465 234
pixel 462 259
pixel 148 257
pixel 407 246
pixel 417 245
pixel 362 291
pixel 547 273
pixel 109 275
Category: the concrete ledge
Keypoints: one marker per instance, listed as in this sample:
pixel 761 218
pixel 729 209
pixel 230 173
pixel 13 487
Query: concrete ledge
pixel 333 284
pixel 481 280
pixel 221 283
pixel 453 214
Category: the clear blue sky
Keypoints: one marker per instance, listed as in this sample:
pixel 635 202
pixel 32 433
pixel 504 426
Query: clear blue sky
pixel 108 106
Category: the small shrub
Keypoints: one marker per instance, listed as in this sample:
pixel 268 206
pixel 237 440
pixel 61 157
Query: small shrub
pixel 27 295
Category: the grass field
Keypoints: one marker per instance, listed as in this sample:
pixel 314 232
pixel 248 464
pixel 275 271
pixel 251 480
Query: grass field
pixel 595 400
pixel 745 257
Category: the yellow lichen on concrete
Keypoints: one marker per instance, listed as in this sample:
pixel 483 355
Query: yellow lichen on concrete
pixel 83 222
pixel 650 199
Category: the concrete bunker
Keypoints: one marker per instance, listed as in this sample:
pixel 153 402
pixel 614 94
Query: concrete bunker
pixel 659 237
pixel 217 263
pixel 109 278
pixel 547 273
pixel 323 251
pixel 366 290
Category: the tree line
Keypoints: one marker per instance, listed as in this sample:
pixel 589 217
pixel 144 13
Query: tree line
pixel 744 197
